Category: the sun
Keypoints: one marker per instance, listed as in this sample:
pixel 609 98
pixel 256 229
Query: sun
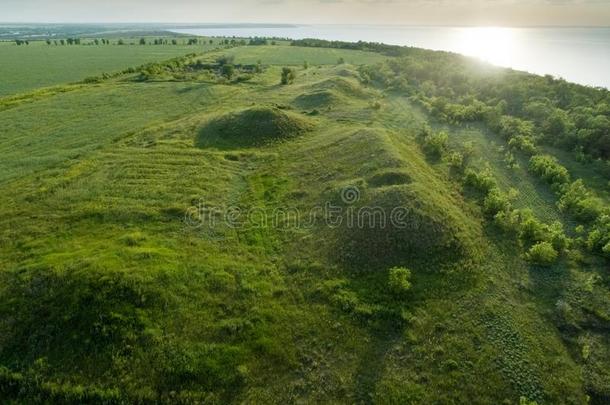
pixel 491 44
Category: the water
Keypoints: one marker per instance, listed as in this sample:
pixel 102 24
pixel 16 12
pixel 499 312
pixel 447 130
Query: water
pixel 580 55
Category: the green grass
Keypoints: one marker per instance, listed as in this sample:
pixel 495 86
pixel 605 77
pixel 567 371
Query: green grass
pixel 295 55
pixel 26 68
pixel 112 289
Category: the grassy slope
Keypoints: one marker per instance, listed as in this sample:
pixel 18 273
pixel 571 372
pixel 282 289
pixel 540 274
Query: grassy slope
pixel 94 236
pixel 25 68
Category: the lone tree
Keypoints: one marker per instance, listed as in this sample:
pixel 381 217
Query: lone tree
pixel 142 41
pixel 288 76
pixel 228 70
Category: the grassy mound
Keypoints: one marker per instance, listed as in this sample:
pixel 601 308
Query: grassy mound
pixel 341 85
pixel 319 99
pixel 413 229
pixel 252 127
pixel 346 72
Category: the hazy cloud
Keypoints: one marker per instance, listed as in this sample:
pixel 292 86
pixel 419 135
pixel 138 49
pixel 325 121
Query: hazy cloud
pixel 446 12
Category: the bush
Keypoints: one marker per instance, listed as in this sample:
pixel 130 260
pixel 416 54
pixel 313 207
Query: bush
pixel 495 202
pixel 579 201
pixel 480 181
pixel 288 76
pixel 531 230
pixel 399 280
pixel 548 168
pixel 524 144
pixel 436 144
pixel 598 240
pixel 542 254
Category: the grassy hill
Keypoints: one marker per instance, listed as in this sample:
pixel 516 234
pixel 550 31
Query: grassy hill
pixel 190 233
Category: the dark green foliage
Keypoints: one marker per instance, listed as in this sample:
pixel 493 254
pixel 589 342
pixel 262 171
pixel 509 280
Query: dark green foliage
pixel 399 280
pixel 228 71
pixel 288 76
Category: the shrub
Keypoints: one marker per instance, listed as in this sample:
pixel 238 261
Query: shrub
pixel 288 76
pixel 228 71
pixel 548 168
pixel 598 239
pixel 542 253
pixel 495 202
pixel 480 181
pixel 579 201
pixel 399 280
pixel 531 230
pixel 436 144
pixel 524 144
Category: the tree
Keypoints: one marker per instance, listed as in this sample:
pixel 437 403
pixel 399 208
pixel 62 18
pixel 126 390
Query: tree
pixel 305 65
pixel 288 76
pixel 174 42
pixel 48 42
pixel 121 42
pixel 341 61
pixel 142 41
pixel 399 280
pixel 228 70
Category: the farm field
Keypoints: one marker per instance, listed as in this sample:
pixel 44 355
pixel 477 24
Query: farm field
pixel 163 237
pixel 24 68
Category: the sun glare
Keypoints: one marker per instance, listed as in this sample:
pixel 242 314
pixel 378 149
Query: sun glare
pixel 491 44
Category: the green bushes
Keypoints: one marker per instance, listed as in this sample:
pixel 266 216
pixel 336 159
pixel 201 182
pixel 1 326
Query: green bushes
pixel 598 239
pixel 435 144
pixel 482 181
pixel 399 280
pixel 542 253
pixel 548 168
pixel 529 230
pixel 288 76
pixel 579 201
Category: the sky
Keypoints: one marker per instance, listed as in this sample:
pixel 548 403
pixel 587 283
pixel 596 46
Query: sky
pixel 411 12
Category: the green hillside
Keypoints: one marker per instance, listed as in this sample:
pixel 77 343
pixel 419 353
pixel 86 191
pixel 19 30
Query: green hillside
pixel 390 226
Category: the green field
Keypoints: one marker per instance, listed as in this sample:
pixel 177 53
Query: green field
pixel 150 252
pixel 26 68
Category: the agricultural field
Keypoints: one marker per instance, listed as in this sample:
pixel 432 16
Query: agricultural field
pixel 28 67
pixel 163 237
